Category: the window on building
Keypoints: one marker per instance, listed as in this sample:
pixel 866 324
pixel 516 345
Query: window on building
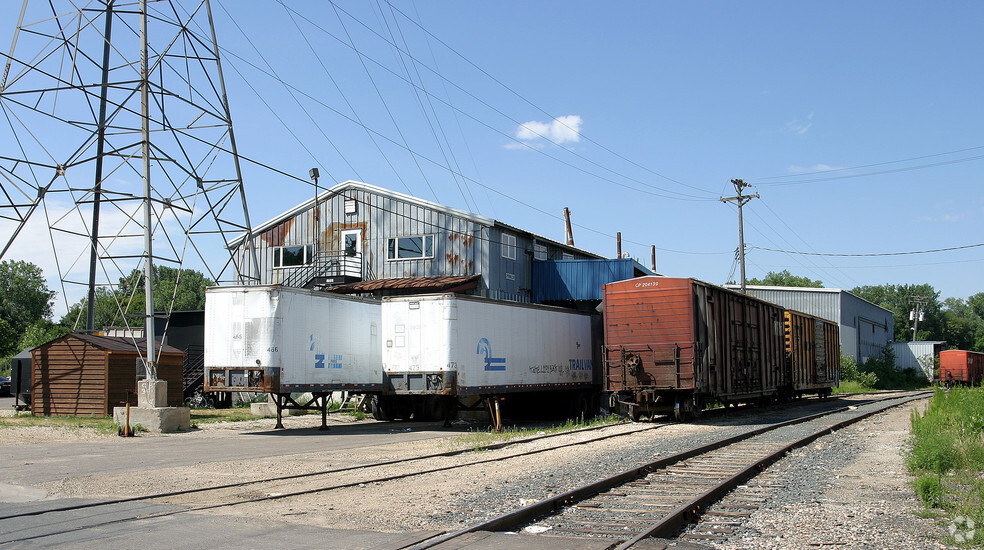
pixel 293 256
pixel 410 248
pixel 509 246
pixel 539 252
pixel 568 256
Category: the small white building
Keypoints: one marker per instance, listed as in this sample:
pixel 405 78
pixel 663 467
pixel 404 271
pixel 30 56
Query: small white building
pixel 865 328
pixel 918 355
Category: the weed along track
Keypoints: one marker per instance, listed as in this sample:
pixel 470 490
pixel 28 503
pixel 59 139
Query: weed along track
pixel 659 498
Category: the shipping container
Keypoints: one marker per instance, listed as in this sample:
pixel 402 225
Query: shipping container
pixel 961 367
pixel 287 340
pixel 448 346
pixel 813 347
pixel 671 344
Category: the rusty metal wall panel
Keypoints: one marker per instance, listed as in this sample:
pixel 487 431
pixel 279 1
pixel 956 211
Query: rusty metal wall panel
pixel 961 366
pixel 813 345
pixel 649 339
pixel 683 334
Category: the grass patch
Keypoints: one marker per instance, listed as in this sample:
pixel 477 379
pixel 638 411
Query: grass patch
pixel 205 416
pixel 101 424
pixel 852 386
pixel 946 456
pixel 479 439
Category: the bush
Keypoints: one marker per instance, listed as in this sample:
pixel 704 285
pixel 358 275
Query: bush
pixel 930 490
pixel 851 373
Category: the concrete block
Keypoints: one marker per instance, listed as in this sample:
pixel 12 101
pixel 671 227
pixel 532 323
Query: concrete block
pixel 156 419
pixel 151 393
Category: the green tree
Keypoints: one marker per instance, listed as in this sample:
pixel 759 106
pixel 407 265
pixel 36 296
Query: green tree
pixel 24 296
pixel 39 333
pixel 174 290
pixel 785 278
pixel 961 325
pixel 8 339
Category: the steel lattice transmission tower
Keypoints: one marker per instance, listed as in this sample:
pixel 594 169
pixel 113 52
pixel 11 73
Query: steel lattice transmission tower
pixel 86 86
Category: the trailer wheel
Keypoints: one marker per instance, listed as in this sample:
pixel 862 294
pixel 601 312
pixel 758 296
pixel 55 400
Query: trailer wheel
pixel 375 407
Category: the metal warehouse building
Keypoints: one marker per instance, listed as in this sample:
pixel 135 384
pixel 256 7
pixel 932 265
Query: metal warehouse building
pixel 865 328
pixel 361 239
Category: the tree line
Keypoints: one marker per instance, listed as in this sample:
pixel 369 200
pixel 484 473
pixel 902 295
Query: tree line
pixel 958 321
pixel 26 304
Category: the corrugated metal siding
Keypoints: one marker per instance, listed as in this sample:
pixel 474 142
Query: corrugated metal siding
pixel 462 245
pixel 562 280
pixel 813 345
pixel 687 334
pixel 916 355
pixel 865 328
pixel 825 305
pixel 961 366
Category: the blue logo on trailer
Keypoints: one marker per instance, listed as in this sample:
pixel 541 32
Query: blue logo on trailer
pixel 491 363
pixel 319 358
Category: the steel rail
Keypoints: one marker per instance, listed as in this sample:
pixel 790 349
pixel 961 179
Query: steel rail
pixel 444 454
pixel 511 520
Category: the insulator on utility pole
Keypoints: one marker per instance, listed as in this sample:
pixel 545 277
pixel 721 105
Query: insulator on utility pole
pixel 740 200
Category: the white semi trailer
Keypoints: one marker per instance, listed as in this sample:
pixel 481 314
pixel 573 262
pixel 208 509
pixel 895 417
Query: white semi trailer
pixel 283 340
pixel 439 350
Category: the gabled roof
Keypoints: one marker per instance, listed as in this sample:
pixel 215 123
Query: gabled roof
pixel 358 185
pixel 119 343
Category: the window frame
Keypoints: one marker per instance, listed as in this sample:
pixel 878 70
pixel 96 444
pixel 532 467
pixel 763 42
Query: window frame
pixel 393 249
pixel 508 249
pixel 307 256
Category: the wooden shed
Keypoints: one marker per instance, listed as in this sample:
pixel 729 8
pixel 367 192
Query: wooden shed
pixel 85 375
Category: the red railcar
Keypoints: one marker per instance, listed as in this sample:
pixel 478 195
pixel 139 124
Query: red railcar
pixel 672 343
pixel 961 367
pixel 813 348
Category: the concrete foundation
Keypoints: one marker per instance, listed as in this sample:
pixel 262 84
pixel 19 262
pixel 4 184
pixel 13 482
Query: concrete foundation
pixel 152 412
pixel 156 419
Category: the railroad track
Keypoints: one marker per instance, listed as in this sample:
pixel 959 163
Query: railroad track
pixel 9 528
pixel 659 498
pixel 269 489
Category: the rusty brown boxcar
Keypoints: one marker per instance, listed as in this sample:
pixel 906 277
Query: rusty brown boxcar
pixel 961 367
pixel 813 350
pixel 673 343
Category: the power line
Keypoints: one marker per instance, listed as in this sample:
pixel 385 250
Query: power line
pixel 868 255
pixel 814 172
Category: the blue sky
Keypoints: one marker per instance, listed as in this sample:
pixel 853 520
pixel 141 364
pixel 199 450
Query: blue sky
pixel 858 123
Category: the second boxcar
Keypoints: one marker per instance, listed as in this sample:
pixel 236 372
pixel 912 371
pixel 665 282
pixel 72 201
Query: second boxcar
pixel 813 349
pixel 671 344
pixel 961 367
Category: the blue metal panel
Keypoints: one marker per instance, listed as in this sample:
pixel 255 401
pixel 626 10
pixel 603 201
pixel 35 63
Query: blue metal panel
pixel 564 280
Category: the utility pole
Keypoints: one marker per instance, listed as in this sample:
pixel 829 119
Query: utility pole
pixel 916 314
pixel 740 200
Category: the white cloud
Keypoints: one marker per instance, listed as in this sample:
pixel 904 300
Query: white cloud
pixel 565 129
pixel 800 127
pixel 820 167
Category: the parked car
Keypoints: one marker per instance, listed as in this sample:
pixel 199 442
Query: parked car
pixel 4 386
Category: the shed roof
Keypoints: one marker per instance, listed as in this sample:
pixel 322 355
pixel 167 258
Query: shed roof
pixel 119 343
